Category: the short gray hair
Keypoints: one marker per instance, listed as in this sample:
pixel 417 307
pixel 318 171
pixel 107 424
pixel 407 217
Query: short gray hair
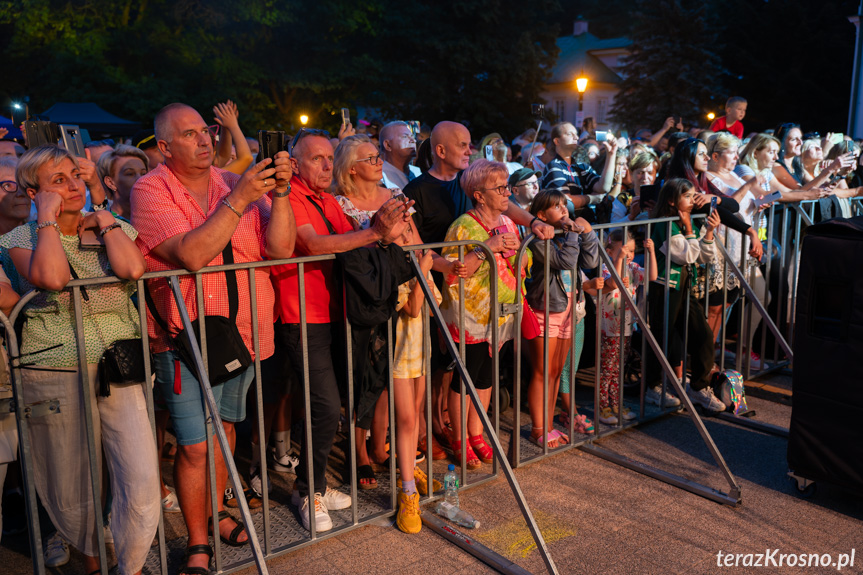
pixel 162 125
pixel 107 160
pixel 27 172
pixel 385 131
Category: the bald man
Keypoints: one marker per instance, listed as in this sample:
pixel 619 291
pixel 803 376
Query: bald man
pixel 438 194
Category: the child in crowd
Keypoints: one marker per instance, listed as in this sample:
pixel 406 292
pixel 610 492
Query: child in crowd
pixel 409 387
pixel 622 254
pixel 732 121
pixel 577 247
pixel 686 244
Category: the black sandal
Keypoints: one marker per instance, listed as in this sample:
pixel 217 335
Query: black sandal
pixel 366 472
pixel 195 550
pixel 234 539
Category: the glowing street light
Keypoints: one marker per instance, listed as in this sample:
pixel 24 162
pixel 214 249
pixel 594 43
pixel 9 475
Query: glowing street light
pixel 304 119
pixel 25 107
pixel 710 116
pixel 581 83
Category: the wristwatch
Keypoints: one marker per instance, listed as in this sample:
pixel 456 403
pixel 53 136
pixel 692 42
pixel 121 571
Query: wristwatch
pixel 285 193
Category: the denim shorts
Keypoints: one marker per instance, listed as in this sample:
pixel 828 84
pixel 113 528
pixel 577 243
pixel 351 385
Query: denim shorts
pixel 186 402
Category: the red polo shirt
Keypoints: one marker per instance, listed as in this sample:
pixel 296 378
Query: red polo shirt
pixel 323 298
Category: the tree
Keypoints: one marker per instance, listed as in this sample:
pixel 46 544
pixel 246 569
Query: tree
pixel 674 68
pixel 476 60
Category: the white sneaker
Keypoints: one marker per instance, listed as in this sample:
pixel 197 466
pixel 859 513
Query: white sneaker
pixel 607 416
pixel 287 463
pixel 256 483
pixel 322 518
pixel 628 414
pixel 654 396
pixel 56 552
pixel 333 499
pixel 705 398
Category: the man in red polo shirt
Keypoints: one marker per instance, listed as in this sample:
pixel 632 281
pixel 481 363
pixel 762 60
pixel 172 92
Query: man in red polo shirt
pixel 322 228
pixel 186 211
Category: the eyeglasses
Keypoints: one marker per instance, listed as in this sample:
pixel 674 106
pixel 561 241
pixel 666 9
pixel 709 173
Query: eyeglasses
pixel 372 160
pixel 9 186
pixel 502 190
pixel 527 185
pixel 306 132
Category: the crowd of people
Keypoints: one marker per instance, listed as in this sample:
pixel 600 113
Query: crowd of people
pixel 186 195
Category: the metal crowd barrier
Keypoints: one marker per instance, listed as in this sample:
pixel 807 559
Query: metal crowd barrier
pixel 289 536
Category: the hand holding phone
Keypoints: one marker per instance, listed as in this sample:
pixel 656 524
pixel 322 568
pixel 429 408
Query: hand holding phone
pixel 503 230
pixel 713 203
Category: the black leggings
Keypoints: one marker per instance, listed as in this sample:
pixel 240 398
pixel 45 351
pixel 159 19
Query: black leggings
pixel 478 363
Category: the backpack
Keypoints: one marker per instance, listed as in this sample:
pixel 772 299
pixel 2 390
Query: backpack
pixel 728 387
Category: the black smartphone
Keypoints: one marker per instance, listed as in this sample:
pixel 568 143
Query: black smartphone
pixel 346 116
pixel 270 143
pixel 713 202
pixel 648 193
pixel 537 111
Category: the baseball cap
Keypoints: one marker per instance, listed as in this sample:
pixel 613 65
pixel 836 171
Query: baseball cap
pixel 522 174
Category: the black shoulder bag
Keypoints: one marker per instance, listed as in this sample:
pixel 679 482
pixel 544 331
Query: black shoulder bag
pixel 227 354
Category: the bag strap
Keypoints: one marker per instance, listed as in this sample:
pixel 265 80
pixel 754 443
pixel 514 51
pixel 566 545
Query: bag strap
pixel 230 280
pixel 332 231
pixel 508 265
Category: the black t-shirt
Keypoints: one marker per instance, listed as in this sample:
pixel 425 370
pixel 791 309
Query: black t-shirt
pixel 438 204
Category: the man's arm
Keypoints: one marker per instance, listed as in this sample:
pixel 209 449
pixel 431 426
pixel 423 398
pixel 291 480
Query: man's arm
pixel 523 217
pixel 196 248
pixel 654 140
pixel 390 221
pixel 282 229
pixel 603 184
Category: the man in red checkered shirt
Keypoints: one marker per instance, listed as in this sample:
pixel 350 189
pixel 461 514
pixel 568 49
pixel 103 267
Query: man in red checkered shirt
pixel 186 211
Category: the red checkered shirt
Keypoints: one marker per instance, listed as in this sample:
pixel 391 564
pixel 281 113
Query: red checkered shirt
pixel 162 208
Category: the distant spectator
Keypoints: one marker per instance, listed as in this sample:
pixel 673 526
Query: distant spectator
pixel 119 169
pixel 145 140
pixel 14 201
pixel 99 147
pixel 398 148
pixel 735 111
pixel 11 148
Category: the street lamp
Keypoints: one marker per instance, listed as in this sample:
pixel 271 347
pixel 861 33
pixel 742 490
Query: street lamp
pixel 26 108
pixel 710 116
pixel 304 119
pixel 581 86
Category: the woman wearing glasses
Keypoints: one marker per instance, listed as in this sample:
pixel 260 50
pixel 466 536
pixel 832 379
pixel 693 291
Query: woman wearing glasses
pixel 357 172
pixel 486 184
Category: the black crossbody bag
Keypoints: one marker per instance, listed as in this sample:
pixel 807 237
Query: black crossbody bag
pixel 227 354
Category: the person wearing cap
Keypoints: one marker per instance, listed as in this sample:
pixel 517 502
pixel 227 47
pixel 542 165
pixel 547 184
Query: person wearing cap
pixel 525 186
pixel 145 140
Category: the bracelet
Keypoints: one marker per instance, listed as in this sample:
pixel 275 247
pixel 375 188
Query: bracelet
pixel 232 208
pixel 288 191
pixel 480 253
pixel 530 225
pixel 102 206
pixel 382 245
pixel 48 225
pixel 108 228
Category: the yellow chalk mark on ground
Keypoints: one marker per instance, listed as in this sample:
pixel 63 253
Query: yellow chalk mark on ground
pixel 513 538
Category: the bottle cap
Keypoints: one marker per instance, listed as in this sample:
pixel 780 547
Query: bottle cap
pixel 451 467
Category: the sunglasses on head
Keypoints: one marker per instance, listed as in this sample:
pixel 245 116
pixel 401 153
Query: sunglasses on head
pixel 306 132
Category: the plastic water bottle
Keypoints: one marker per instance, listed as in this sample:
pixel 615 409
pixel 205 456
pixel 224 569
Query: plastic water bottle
pixel 456 515
pixel 450 485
